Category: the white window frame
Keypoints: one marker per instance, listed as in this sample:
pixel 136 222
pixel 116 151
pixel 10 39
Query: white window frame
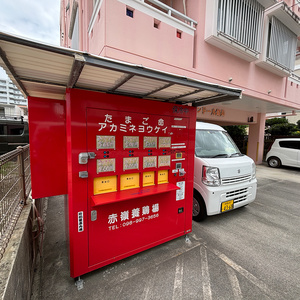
pixel 241 22
pixel 290 25
pixel 279 38
pixel 228 42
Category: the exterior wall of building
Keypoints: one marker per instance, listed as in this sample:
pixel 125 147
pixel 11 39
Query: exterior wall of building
pixel 12 102
pixel 146 42
pixel 136 40
pixel 294 119
pixel 256 138
pixel 155 39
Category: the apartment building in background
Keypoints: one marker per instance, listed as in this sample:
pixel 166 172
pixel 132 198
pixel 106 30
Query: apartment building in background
pixel 246 44
pixel 13 105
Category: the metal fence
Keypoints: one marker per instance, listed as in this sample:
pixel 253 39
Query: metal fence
pixel 15 186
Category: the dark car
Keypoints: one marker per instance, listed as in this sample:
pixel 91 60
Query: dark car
pixel 13 133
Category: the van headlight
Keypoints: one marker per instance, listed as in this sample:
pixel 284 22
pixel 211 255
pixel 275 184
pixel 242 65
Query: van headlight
pixel 253 171
pixel 211 176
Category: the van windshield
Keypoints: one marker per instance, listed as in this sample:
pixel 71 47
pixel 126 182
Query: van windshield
pixel 215 143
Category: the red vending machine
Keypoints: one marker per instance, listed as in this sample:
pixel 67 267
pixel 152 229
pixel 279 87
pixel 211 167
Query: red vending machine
pixel 130 169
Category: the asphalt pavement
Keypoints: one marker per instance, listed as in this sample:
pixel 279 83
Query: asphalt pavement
pixel 249 253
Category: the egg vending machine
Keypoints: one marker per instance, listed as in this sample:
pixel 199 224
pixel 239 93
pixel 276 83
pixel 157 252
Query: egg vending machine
pixel 130 176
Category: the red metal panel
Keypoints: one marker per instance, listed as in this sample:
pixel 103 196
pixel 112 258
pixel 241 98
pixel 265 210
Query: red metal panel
pixel 109 226
pixel 47 137
pixel 132 194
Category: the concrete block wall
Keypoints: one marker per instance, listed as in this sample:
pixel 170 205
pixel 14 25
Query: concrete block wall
pixel 17 264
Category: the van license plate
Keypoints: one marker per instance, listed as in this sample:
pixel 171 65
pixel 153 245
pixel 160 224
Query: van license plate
pixel 228 205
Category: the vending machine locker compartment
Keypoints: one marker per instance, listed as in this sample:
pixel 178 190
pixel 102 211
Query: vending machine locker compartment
pixel 148 178
pixel 130 181
pixel 162 177
pixel 105 184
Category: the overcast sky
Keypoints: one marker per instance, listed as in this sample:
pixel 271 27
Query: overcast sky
pixel 33 19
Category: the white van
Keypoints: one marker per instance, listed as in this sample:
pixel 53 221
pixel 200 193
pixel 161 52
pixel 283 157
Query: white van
pixel 224 179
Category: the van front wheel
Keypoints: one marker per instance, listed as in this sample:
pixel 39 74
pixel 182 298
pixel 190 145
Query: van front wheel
pixel 199 209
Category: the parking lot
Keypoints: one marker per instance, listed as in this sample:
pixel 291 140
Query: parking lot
pixel 259 243
pixel 249 253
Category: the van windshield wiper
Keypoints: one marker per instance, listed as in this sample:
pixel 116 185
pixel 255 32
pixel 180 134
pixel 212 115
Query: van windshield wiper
pixel 235 154
pixel 220 155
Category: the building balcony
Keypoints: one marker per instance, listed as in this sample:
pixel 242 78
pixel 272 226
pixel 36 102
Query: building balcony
pixel 156 9
pixel 281 31
pixel 150 30
pixel 236 26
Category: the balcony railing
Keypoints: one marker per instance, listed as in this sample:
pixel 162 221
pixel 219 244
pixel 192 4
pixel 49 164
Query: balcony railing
pixel 12 117
pixel 171 12
pixel 295 77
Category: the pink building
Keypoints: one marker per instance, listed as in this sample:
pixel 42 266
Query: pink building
pixel 245 44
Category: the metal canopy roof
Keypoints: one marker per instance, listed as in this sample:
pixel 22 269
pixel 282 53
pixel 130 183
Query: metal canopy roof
pixel 41 70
